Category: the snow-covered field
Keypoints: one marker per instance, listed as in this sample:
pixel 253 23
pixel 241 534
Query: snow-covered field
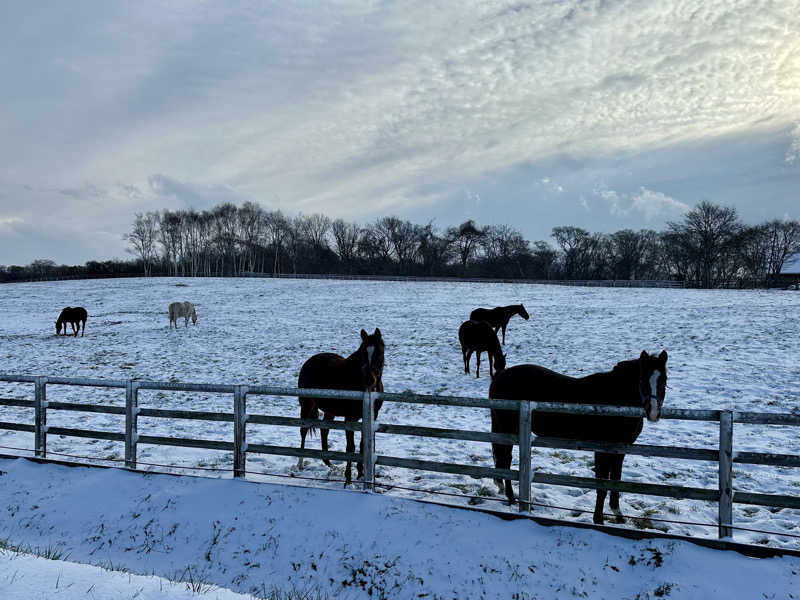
pixel 269 540
pixel 728 349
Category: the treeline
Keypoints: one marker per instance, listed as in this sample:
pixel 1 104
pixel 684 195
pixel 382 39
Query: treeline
pixel 709 247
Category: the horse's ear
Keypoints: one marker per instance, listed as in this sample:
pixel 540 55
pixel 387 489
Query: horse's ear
pixel 663 357
pixel 643 356
pixel 377 332
pixel 364 335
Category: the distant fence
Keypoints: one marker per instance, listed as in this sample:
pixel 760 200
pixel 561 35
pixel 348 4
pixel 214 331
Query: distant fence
pixel 627 283
pixel 725 495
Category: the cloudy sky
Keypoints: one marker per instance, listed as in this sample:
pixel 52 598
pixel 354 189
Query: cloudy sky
pixel 602 114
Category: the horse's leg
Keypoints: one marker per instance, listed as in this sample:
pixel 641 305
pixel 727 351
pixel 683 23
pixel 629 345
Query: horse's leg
pixel 602 470
pixel 491 363
pixel 465 358
pixel 83 330
pixel 323 436
pixel 616 475
pixel 308 410
pixel 359 464
pixel 76 327
pixel 504 333
pixel 351 447
pixel 501 453
pixel 303 432
pixel 477 363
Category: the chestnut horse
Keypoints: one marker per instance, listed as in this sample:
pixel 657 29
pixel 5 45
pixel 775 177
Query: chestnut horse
pixel 361 371
pixel 641 383
pixel 75 316
pixel 478 336
pixel 499 316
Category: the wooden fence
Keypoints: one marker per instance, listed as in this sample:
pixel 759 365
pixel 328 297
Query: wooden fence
pixel 725 495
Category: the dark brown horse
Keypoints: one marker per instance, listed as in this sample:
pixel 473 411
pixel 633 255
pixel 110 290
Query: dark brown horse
pixel 641 383
pixel 361 371
pixel 478 336
pixel 75 316
pixel 498 317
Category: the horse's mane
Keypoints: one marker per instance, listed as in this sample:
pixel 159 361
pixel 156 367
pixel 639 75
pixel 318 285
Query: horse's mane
pixel 623 367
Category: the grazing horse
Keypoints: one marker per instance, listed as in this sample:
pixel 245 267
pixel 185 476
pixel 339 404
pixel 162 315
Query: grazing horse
pixel 75 316
pixel 182 309
pixel 498 317
pixel 641 383
pixel 361 371
pixel 478 336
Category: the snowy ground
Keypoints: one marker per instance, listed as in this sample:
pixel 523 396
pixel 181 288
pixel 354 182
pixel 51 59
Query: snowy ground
pixel 728 349
pixel 269 540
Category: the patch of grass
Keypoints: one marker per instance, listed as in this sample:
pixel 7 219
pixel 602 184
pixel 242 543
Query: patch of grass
pixel 562 457
pixel 643 522
pixel 263 593
pixel 56 552
pixel 663 590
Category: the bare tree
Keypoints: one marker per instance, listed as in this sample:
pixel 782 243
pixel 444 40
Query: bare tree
pixel 575 245
pixel 707 237
pixel 142 240
pixel 784 240
pixel 345 238
pixel 277 227
pixel 434 250
pixel 466 239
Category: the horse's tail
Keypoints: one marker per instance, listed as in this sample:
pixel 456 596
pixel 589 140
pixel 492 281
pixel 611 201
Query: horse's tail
pixel 309 410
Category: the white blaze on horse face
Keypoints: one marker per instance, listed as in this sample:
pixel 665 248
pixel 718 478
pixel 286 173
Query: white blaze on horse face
pixel 653 415
pixel 370 350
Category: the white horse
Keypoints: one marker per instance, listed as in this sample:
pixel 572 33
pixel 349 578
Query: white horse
pixel 182 309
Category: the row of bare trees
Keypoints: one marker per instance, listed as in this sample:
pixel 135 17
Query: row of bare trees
pixel 710 247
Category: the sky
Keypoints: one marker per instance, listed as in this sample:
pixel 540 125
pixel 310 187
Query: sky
pixel 600 114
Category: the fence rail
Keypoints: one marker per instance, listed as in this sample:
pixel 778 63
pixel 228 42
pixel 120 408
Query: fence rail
pixel 725 495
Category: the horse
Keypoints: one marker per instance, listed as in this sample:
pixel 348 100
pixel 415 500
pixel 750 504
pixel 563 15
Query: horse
pixel 361 371
pixel 75 316
pixel 640 382
pixel 479 336
pixel 182 309
pixel 499 316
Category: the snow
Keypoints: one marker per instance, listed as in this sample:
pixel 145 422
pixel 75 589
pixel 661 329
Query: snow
pixel 28 577
pixel 256 538
pixel 728 349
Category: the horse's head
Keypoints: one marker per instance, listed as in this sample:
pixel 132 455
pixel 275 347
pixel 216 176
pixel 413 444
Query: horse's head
pixel 523 313
pixel 371 353
pixel 652 383
pixel 58 327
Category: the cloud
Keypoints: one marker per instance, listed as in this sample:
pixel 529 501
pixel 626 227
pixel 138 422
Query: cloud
pixel 349 108
pixel 649 204
pixel 793 152
pixel 655 205
pixel 189 195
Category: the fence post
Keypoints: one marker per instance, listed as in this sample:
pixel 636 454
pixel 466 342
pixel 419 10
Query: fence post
pixel 725 473
pixel 239 430
pixel 524 456
pixel 131 422
pixel 368 440
pixel 40 418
